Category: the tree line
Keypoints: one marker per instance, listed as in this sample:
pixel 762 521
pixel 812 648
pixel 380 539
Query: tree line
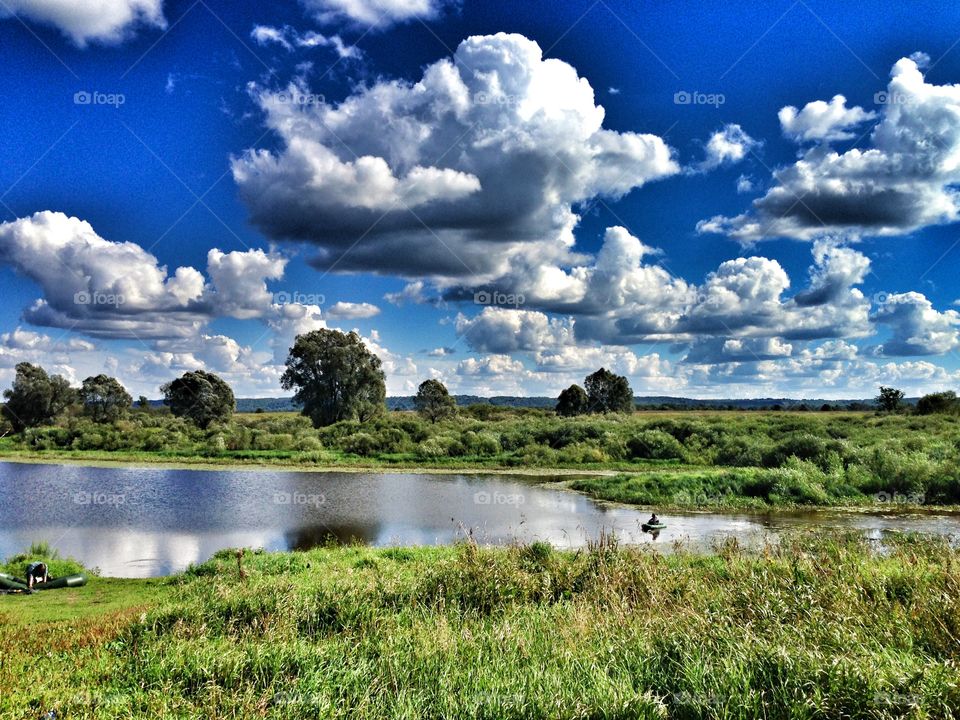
pixel 335 377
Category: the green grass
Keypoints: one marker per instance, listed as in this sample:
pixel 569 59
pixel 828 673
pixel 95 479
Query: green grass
pixel 812 628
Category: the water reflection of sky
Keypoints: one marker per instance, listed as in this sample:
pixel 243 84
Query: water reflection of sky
pixel 136 522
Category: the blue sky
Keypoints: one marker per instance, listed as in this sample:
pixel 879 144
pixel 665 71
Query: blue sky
pixel 505 196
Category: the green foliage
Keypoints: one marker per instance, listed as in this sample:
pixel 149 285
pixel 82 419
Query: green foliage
pixel 104 399
pixel 35 398
pixel 335 376
pixel 433 402
pixel 607 392
pixel 941 402
pixel 573 401
pixel 889 399
pixel 810 627
pixel 199 396
pixel 655 445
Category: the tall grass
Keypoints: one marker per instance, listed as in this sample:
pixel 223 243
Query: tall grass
pixel 809 628
pixel 769 458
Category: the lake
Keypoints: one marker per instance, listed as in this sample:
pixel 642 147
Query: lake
pixel 142 522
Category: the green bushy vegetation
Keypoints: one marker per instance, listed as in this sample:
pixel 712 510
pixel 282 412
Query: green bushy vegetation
pixel 744 458
pixel 809 628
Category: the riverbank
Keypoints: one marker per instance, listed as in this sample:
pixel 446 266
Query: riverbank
pixel 134 460
pixel 809 628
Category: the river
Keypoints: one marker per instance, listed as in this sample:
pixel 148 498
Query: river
pixel 142 522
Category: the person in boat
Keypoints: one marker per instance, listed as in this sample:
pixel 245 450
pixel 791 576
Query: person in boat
pixel 37 573
pixel 654 520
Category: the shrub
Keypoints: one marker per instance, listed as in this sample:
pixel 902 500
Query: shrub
pixel 655 445
pixel 360 443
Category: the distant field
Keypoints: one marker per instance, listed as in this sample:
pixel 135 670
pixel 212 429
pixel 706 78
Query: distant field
pixel 813 628
pixel 664 458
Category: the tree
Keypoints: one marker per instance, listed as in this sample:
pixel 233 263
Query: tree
pixel 433 402
pixel 889 399
pixel 941 402
pixel 336 377
pixel 36 398
pixel 199 396
pixel 143 403
pixel 572 401
pixel 104 398
pixel 607 392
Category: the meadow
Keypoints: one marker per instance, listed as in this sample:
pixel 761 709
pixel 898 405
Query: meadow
pixel 677 459
pixel 810 628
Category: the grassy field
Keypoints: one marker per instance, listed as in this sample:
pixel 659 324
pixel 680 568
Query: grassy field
pixel 675 459
pixel 812 628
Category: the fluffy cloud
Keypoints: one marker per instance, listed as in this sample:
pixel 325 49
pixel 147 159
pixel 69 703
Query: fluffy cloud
pixel 352 311
pixel 916 327
pixel 104 21
pixel 99 287
pixel 903 181
pixel 466 173
pixel 819 121
pixel 727 146
pixel 502 331
pixel 374 13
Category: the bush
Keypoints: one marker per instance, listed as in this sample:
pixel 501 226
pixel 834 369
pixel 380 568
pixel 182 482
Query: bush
pixel 361 443
pixel 654 445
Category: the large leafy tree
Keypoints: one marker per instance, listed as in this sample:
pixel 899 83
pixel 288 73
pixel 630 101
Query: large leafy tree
pixel 199 396
pixel 572 401
pixel 607 392
pixel 104 398
pixel 36 397
pixel 336 377
pixel 889 399
pixel 941 402
pixel 434 402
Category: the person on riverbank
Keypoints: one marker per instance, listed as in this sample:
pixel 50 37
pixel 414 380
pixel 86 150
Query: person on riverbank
pixel 37 573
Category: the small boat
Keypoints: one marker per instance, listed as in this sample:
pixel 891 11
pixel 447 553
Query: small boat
pixel 655 527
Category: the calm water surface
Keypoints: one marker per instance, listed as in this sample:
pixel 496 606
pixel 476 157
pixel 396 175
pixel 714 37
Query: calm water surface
pixel 140 522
